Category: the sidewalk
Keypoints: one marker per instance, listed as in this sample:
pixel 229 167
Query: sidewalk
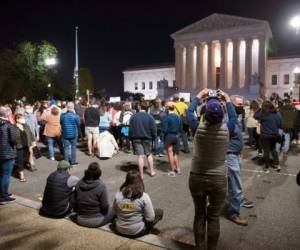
pixel 23 228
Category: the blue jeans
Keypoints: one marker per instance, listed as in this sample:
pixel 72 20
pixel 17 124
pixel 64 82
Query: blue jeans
pixel 6 168
pixel 286 141
pixel 51 144
pixel 158 145
pixel 251 133
pixel 67 144
pixel 235 194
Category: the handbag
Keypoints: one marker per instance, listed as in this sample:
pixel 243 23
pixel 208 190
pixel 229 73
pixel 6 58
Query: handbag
pixel 36 152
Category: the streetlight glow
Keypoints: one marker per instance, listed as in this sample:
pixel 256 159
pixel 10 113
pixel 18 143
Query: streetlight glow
pixel 295 23
pixel 50 61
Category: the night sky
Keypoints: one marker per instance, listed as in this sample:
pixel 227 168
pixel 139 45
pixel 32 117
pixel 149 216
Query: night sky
pixel 115 35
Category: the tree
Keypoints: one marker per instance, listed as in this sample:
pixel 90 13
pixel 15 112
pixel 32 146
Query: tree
pixel 86 81
pixel 24 71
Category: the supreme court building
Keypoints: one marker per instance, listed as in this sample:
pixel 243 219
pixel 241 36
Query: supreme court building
pixel 222 51
pixel 226 52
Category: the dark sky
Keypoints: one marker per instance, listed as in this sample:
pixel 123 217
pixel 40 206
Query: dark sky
pixel 115 35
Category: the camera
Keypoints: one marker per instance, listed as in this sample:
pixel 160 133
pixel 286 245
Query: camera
pixel 214 94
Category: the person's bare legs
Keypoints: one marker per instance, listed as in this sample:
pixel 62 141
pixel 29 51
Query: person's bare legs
pixel 151 165
pixel 96 144
pixel 90 141
pixel 176 163
pixel 171 157
pixel 141 165
pixel 22 176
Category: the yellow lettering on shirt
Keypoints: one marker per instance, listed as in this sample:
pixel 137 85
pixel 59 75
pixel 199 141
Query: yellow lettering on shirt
pixel 127 207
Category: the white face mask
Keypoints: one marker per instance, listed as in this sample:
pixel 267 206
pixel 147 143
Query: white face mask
pixel 22 120
pixel 29 111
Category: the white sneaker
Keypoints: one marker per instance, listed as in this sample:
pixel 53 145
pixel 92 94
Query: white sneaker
pixel 52 159
pixel 171 174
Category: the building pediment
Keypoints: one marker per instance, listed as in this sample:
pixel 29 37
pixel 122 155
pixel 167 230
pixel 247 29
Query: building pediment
pixel 220 23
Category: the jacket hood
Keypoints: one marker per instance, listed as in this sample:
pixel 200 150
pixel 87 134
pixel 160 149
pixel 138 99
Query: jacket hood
pixel 86 185
pixel 3 122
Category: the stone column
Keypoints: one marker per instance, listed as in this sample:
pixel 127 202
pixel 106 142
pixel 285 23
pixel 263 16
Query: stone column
pixel 200 67
pixel 262 59
pixel 178 65
pixel 211 68
pixel 189 66
pixel 236 63
pixel 248 63
pixel 223 65
pixel 183 68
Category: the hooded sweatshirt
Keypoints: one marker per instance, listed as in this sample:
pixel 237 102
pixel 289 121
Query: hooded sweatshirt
pixel 91 199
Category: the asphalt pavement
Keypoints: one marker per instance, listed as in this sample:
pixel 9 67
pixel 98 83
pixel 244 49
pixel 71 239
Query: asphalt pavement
pixel 274 222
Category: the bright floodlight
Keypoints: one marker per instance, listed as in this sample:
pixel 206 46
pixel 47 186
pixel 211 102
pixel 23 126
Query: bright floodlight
pixel 295 23
pixel 50 61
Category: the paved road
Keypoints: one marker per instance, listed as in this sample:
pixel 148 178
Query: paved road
pixel 274 222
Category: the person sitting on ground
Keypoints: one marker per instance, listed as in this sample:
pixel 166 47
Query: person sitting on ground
pixel 91 199
pixel 57 195
pixel 134 210
pixel 108 145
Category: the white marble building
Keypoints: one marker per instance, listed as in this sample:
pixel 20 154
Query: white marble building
pixel 283 75
pixel 145 80
pixel 221 51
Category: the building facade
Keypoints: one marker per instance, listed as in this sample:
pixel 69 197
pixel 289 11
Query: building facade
pixel 221 51
pixel 283 76
pixel 146 80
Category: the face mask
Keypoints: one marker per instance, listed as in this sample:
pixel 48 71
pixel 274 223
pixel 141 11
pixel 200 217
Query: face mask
pixel 239 110
pixel 22 120
pixel 29 111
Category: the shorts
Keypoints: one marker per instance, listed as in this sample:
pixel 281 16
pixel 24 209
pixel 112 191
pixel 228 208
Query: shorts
pixel 92 132
pixel 173 140
pixel 142 146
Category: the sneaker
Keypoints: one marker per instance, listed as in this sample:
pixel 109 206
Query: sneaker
pixel 52 158
pixel 266 170
pixel 278 168
pixel 74 163
pixel 178 171
pixel 6 200
pixel 171 174
pixel 238 220
pixel 161 155
pixel 260 155
pixel 247 204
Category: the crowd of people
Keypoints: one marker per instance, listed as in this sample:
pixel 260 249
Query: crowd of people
pixel 216 121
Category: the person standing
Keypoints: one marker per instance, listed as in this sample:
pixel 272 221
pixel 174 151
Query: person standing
pixel 24 140
pixel 288 114
pixel 70 123
pixel 52 131
pixel 142 132
pixel 92 120
pixel 171 130
pixel 270 122
pixel 7 154
pixel 207 181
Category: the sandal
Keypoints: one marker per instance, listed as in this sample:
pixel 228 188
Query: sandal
pixel 153 174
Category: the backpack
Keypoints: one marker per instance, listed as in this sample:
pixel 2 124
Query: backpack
pixel 298 178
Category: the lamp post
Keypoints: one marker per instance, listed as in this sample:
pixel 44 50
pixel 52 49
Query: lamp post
pixel 76 74
pixel 50 62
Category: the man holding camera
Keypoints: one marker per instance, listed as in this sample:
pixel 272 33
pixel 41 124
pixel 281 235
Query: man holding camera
pixel 207 181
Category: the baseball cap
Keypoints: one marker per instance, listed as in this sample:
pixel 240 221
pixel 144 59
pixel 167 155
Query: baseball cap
pixel 214 111
pixel 64 165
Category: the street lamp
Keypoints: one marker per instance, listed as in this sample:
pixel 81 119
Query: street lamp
pixel 295 23
pixel 50 61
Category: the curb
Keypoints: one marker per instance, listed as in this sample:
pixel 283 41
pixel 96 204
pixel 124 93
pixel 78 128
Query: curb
pixel 148 239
